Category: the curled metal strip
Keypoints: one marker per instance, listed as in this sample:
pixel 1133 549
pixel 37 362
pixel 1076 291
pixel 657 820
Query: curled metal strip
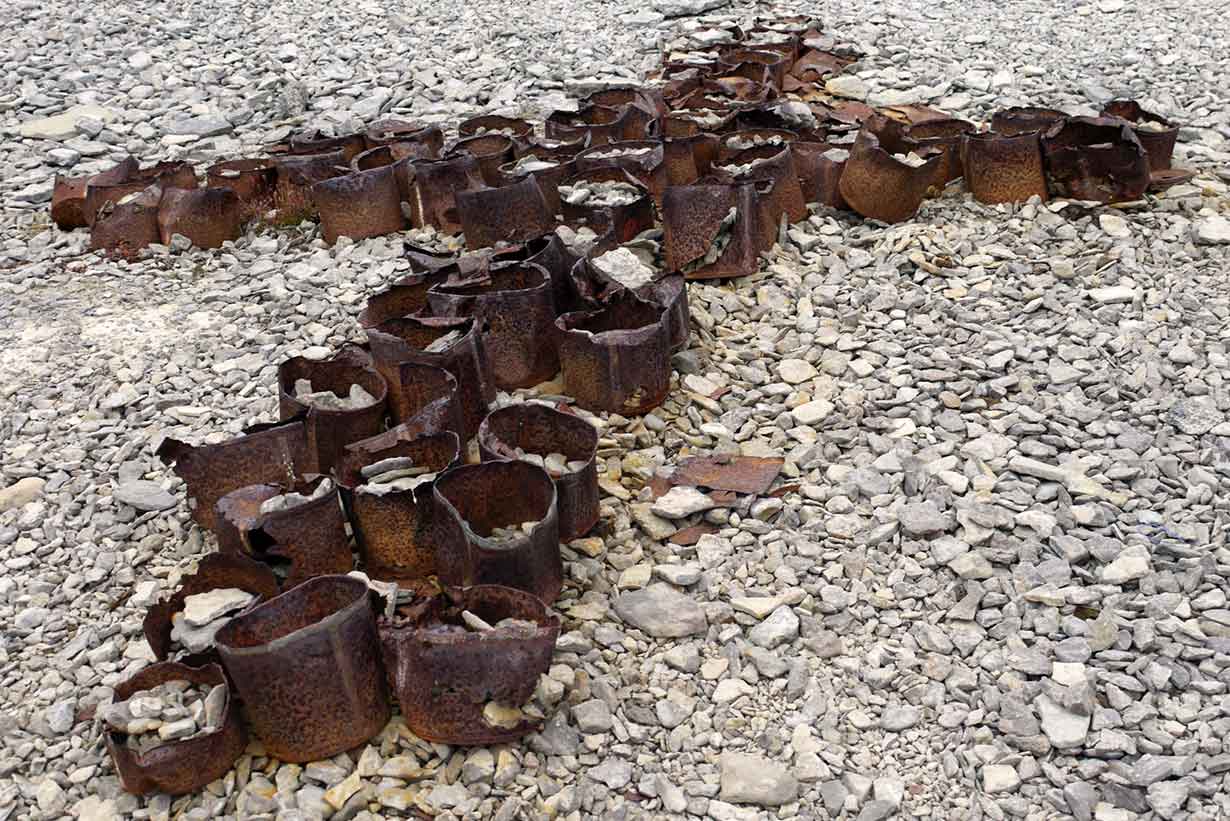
pixel 213 572
pixel 405 339
pixel 185 766
pixel 596 123
pixel 325 631
pixel 359 205
pixel 541 430
pixel 394 530
pixel 1004 168
pixel 206 216
pixel 514 212
pixel 328 430
pixel 516 307
pixel 472 501
pixel 617 358
pixel 445 676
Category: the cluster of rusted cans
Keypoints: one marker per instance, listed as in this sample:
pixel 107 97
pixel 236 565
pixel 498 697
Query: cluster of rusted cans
pixel 730 141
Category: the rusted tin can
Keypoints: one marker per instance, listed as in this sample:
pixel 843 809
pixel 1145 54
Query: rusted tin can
pixel 535 428
pixel 185 766
pixel 307 666
pixel 471 501
pixel 448 679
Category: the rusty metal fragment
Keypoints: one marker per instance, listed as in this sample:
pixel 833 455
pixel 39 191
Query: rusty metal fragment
pixel 1022 119
pixel 359 205
pixel 329 428
pixel 879 185
pixel 514 128
pixel 596 123
pixel 946 135
pixel 617 223
pixel 207 216
pixel 773 164
pixel 712 231
pixel 110 189
pixel 1095 158
pixel 642 159
pixel 617 358
pixel 316 142
pixel 292 196
pixel 764 66
pixel 393 529
pixel 436 183
pixel 1156 133
pixel 253 182
pixel 498 523
pixel 324 631
pixel 820 167
pixel 689 158
pixel 213 572
pixel 515 305
pixel 490 151
pixel 644 106
pixel 68 209
pixel 428 400
pixel 384 132
pixel 740 474
pixel 537 429
pixel 1004 167
pixel 462 354
pixel 462 686
pixel 185 766
pixel 123 228
pixel 299 543
pixel 268 453
pixel 515 212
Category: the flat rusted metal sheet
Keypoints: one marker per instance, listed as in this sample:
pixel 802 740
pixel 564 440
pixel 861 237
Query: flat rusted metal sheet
pixel 445 676
pixel 472 501
pixel 1004 167
pixel 513 212
pixel 267 453
pixel 405 339
pixel 691 535
pixel 617 358
pixel 394 530
pixel 185 766
pixel 207 216
pixel 516 308
pixel 307 666
pixel 359 205
pixel 537 429
pixel 740 474
pixel 329 430
pixel 878 185
pixel 213 572
pixel 1095 158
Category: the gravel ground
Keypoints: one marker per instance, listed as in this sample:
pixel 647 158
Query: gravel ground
pixel 999 588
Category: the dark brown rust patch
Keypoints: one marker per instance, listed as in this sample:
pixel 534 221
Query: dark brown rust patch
pixel 1004 168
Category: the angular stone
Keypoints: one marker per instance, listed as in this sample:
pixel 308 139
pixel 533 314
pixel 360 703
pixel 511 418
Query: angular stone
pixel 661 611
pixel 782 625
pixel 143 495
pixel 681 502
pixel 64 126
pixel 754 779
